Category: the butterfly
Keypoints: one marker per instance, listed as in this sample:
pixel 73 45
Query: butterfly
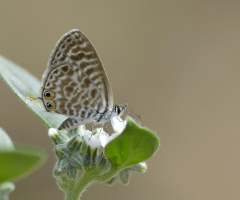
pixel 75 83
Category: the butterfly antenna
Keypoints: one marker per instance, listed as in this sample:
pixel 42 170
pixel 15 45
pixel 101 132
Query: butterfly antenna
pixel 134 116
pixel 139 116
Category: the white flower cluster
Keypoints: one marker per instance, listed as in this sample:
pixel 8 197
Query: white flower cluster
pixel 101 138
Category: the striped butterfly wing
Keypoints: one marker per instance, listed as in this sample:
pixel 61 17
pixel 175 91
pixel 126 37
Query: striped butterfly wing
pixel 75 83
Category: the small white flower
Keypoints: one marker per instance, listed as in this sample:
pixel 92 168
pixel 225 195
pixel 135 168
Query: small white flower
pixel 92 140
pixel 52 132
pixel 101 138
pixel 118 124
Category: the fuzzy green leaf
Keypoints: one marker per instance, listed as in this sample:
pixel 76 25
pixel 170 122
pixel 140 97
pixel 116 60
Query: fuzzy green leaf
pixel 134 145
pixel 25 86
pixel 19 162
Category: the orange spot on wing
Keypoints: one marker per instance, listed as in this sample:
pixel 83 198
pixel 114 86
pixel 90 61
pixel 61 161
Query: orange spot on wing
pixel 33 98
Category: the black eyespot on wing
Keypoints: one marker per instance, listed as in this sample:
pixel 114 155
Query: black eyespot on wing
pixel 47 94
pixel 50 106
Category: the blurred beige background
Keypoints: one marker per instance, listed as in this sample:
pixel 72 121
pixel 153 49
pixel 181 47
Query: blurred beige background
pixel 174 62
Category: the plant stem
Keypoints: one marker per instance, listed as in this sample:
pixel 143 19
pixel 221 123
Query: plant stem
pixel 77 187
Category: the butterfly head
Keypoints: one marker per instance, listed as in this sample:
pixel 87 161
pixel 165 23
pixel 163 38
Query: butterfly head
pixel 119 109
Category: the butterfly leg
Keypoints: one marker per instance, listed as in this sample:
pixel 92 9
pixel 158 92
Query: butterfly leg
pixel 105 127
pixel 71 123
pixel 93 125
pixel 92 129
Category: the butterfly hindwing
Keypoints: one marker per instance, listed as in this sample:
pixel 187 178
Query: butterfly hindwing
pixel 75 82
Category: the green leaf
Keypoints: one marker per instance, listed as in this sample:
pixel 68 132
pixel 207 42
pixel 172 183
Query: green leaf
pixel 19 162
pixel 25 86
pixel 134 145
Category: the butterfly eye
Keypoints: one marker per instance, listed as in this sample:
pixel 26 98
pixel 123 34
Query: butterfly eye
pixel 118 109
pixel 50 106
pixel 48 94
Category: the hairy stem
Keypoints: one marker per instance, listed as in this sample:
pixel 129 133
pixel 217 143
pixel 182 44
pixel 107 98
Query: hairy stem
pixel 77 187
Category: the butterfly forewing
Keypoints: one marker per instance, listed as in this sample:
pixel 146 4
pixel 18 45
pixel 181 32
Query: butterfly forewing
pixel 75 82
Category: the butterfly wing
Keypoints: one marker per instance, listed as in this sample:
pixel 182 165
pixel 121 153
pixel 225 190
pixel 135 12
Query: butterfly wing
pixel 75 82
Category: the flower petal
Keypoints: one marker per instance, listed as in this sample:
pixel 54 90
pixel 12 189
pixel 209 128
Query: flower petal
pixel 104 138
pixel 92 140
pixel 118 124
